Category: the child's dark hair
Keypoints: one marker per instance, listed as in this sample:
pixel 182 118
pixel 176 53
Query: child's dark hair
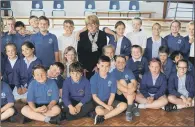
pixel 76 67
pixel 104 59
pixel 174 54
pixel 137 18
pixel 28 44
pixel 60 65
pixel 119 23
pixel 11 44
pixel 38 66
pixel 44 18
pixel 19 24
pixel 69 21
pixel 182 60
pixel 136 46
pixel 155 60
pixel 121 56
pixel 33 16
pixel 163 49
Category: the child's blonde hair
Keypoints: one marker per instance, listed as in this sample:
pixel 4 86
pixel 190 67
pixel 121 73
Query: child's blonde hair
pixel 106 47
pixel 156 24
pixel 191 23
pixel 68 49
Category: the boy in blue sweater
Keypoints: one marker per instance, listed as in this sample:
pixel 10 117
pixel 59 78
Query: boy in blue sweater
pixel 153 87
pixel 76 94
pixel 103 89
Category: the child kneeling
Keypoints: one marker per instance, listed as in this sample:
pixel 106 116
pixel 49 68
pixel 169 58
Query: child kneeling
pixel 42 97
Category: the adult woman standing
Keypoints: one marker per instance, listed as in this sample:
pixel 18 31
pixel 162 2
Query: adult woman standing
pixel 90 45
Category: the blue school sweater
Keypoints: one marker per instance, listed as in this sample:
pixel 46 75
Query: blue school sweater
pixel 173 85
pixel 149 47
pixel 138 67
pixel 9 74
pixel 167 68
pixel 147 86
pixel 125 44
pixel 175 43
pixel 24 74
pixel 80 91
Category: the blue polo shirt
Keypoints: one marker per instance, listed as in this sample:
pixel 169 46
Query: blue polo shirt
pixel 127 74
pixel 19 39
pixel 6 94
pixel 45 46
pixel 43 93
pixel 79 91
pixel 103 87
pixel 5 38
pixel 175 43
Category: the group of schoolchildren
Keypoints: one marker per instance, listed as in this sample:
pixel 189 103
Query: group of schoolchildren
pixel 134 72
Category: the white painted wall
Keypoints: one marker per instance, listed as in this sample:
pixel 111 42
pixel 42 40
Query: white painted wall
pixel 76 8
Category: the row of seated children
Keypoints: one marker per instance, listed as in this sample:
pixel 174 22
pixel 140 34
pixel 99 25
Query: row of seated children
pixel 77 91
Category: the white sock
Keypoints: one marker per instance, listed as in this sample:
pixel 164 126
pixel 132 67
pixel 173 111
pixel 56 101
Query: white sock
pixel 163 108
pixel 142 106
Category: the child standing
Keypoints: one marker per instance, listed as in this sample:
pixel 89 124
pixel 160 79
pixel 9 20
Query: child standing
pixel 103 89
pixel 70 56
pixel 175 40
pixel 121 44
pixel 21 36
pixel 42 98
pixel 154 42
pixel 34 23
pixel 127 85
pixel 189 42
pixel 137 36
pixel 76 94
pixel 153 87
pixel 181 87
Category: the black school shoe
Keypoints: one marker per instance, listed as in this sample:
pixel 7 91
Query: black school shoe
pixel 170 107
pixel 55 119
pixel 98 119
pixel 91 114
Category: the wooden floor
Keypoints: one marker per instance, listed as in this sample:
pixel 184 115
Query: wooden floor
pixel 184 117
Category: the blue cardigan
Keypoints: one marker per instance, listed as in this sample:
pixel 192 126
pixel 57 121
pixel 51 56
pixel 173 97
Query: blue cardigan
pixel 148 50
pixel 24 74
pixel 147 86
pixel 9 74
pixel 173 85
pixel 125 44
